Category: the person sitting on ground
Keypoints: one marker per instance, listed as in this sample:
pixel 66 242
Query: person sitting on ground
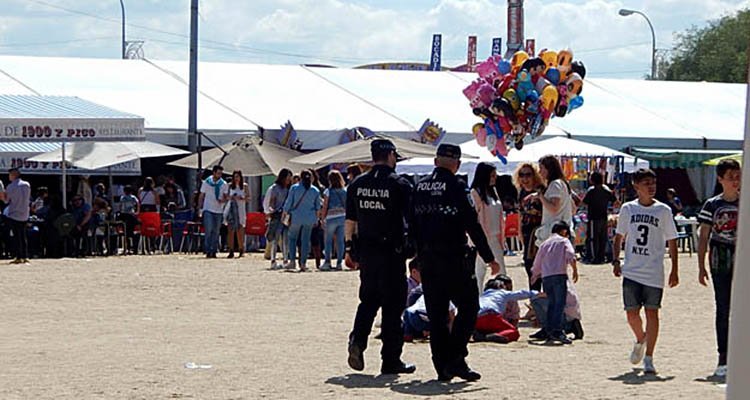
pixel 491 324
pixel 551 264
pixel 416 321
pixel 413 282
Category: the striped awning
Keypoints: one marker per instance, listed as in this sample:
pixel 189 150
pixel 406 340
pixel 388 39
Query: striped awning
pixel 678 158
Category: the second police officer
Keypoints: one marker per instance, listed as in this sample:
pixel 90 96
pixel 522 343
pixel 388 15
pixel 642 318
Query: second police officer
pixel 443 215
pixel 376 206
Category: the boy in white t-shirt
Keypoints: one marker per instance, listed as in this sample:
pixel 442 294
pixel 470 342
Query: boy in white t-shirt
pixel 645 224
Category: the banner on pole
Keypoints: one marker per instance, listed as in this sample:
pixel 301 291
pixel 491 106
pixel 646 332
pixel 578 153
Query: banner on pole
pixel 437 42
pixel 497 46
pixel 531 47
pixel 471 56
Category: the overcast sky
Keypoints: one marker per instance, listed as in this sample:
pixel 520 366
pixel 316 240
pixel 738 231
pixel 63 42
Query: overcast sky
pixel 348 33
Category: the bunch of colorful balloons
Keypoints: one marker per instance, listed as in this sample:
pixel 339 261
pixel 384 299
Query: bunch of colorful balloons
pixel 517 97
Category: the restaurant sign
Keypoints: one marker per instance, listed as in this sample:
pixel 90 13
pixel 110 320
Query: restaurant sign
pixel 70 129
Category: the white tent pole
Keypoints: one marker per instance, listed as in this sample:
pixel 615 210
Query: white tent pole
pixel 64 183
pixel 738 386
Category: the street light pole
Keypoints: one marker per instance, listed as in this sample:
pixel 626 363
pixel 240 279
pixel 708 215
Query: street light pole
pixel 625 12
pixel 194 137
pixel 124 43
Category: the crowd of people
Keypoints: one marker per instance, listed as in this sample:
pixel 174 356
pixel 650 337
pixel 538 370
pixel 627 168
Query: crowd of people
pixel 451 234
pixel 42 226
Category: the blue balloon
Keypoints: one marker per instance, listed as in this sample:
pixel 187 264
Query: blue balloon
pixel 503 67
pixel 576 102
pixel 553 76
pixel 502 159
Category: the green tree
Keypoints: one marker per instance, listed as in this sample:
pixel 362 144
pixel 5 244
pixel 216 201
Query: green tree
pixel 715 53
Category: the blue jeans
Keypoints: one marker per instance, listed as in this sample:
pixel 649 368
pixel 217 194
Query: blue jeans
pixel 541 305
pixel 723 295
pixel 414 325
pixel 212 224
pixel 335 227
pixel 556 288
pixel 299 232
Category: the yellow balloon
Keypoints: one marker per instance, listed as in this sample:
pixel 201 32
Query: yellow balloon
pixel 564 60
pixel 549 98
pixel 517 61
pixel 550 59
pixel 513 99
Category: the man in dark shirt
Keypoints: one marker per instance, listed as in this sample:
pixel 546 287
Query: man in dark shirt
pixel 443 215
pixel 376 207
pixel 597 200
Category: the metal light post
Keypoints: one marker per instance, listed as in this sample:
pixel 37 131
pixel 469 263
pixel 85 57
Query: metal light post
pixel 124 42
pixel 194 137
pixel 625 12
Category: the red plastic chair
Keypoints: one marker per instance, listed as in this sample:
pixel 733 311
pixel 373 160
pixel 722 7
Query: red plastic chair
pixel 513 229
pixel 166 233
pixel 151 228
pixel 255 224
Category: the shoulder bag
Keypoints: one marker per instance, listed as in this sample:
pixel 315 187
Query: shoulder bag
pixel 287 219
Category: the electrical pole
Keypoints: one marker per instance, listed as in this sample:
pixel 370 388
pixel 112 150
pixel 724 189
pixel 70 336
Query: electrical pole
pixel 193 135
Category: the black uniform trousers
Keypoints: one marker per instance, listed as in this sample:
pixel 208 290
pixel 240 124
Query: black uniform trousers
pixel 445 278
pixel 382 285
pixel 597 234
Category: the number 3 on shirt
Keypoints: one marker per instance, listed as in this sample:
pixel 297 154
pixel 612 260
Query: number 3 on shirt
pixel 643 239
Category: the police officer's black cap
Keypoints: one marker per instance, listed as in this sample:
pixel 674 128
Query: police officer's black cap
pixel 449 150
pixel 382 146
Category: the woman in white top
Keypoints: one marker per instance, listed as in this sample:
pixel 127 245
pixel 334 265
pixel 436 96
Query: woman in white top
pixel 557 203
pixel 490 212
pixel 147 196
pixel 235 213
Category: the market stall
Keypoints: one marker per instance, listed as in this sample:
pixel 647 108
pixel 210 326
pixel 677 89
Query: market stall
pixel 63 119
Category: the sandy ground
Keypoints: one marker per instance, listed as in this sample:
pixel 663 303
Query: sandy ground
pixel 125 328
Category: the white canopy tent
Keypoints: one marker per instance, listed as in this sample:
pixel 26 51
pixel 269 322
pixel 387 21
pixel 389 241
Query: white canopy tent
pixel 19 154
pixel 532 152
pixel 61 119
pixel 320 102
pixel 98 155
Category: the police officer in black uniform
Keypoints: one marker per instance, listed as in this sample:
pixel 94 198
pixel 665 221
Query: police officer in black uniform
pixel 376 205
pixel 443 215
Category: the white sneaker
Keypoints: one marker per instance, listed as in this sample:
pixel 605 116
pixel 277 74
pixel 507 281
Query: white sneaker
pixel 721 371
pixel 639 349
pixel 276 265
pixel 648 365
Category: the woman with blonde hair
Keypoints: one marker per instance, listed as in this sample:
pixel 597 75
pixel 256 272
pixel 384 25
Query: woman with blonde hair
pixel 527 180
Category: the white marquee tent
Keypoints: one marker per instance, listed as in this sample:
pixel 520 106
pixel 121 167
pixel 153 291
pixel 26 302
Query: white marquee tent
pixel 321 101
